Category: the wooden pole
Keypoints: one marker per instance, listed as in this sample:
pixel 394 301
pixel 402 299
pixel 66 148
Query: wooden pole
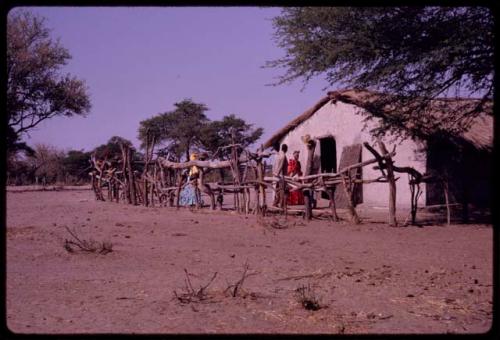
pixel 282 188
pixel 247 205
pixel 117 188
pixel 256 210
pixel 331 194
pixel 311 146
pixel 154 187
pixel 447 199
pixel 264 198
pixel 348 185
pixel 261 194
pixel 246 197
pixel 235 169
pixel 179 187
pixel 110 190
pixel 131 179
pixel 392 184
pixel 145 189
pixel 148 156
pixel 126 178
pixel 92 182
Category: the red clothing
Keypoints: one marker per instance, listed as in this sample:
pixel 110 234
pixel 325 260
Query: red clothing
pixel 294 168
pixel 294 197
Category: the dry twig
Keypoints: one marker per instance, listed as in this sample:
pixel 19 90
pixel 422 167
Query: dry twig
pixel 87 245
pixel 192 295
pixel 317 275
pixel 238 285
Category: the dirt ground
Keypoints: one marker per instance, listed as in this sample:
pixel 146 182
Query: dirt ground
pixel 368 278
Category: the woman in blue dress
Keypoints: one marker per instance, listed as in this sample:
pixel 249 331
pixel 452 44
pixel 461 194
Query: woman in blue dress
pixel 190 195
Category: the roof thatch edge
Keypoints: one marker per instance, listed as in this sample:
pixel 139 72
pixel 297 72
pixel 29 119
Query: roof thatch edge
pixel 476 135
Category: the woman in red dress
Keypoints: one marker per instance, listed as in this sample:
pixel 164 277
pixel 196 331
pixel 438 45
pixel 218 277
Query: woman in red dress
pixel 295 197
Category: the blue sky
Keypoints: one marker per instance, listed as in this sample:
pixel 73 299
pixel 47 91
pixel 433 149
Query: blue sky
pixel 139 61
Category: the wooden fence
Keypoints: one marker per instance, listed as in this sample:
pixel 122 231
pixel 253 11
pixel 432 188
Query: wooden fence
pixel 162 180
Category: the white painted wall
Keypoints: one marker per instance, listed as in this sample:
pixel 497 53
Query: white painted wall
pixel 344 123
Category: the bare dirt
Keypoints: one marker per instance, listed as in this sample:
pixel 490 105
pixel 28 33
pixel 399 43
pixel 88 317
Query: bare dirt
pixel 368 278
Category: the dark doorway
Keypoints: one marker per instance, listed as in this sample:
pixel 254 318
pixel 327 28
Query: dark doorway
pixel 328 152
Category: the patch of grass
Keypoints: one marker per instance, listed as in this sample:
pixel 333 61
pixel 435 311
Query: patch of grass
pixel 308 298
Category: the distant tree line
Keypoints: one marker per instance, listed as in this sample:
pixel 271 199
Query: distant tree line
pixel 187 129
pixel 177 134
pixel 47 164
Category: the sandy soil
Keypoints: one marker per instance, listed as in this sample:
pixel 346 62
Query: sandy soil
pixel 368 278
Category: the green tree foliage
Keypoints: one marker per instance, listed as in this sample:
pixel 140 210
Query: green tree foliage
pixel 112 149
pixel 416 53
pixel 217 134
pixel 187 128
pixel 179 130
pixel 36 90
pixel 76 165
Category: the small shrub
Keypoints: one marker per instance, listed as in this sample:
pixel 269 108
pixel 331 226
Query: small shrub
pixel 86 245
pixel 192 295
pixel 308 298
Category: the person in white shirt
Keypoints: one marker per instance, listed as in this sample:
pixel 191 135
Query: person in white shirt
pixel 279 170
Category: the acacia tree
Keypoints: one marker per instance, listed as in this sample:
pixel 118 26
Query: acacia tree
pixel 416 53
pixel 36 90
pixel 230 129
pixel 219 133
pixel 112 149
pixel 179 130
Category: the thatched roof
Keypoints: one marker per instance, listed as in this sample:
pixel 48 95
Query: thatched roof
pixel 480 133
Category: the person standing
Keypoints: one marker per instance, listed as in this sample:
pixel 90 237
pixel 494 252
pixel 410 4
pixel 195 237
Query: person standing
pixel 188 195
pixel 295 197
pixel 280 170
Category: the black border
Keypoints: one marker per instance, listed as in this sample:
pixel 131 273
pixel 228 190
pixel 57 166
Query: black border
pixel 5 333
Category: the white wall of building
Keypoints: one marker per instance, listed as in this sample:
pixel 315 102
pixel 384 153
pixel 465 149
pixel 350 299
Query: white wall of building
pixel 343 122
